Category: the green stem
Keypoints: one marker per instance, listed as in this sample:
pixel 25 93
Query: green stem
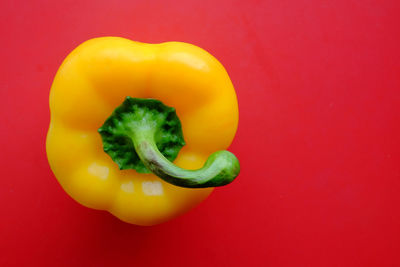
pixel 146 135
pixel 221 167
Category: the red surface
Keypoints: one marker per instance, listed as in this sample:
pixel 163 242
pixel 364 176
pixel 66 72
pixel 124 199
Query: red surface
pixel 318 84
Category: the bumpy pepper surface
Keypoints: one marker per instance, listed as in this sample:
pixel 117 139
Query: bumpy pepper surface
pixel 96 78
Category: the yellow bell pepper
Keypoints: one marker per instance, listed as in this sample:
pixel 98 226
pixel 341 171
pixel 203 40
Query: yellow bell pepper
pixel 94 80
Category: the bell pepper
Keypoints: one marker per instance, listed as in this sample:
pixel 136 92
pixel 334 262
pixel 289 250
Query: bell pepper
pixel 122 111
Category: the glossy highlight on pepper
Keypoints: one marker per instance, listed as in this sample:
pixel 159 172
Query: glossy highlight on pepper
pixel 93 80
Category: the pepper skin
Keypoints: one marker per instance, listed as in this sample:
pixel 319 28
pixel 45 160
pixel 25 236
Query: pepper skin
pixel 93 80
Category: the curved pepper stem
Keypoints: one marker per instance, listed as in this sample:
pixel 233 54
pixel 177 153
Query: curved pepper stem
pixel 146 135
pixel 220 169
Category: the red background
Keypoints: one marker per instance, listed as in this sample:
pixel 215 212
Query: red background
pixel 318 85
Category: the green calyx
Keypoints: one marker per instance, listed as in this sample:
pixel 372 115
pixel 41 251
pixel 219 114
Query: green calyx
pixel 137 115
pixel 146 135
